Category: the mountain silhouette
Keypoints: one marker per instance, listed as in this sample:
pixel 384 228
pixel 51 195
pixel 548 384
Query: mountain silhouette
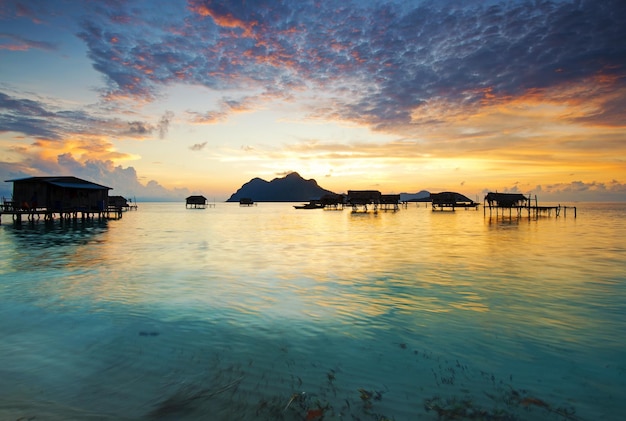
pixel 291 188
pixel 421 196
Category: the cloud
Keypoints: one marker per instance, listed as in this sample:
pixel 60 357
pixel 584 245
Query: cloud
pixel 14 42
pixel 74 142
pixel 198 146
pixel 164 124
pixel 138 128
pixel 124 181
pixel 226 107
pixel 412 69
pixel 381 64
pixel 42 119
pixel 575 191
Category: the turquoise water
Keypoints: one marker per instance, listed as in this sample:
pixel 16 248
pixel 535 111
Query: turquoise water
pixel 272 313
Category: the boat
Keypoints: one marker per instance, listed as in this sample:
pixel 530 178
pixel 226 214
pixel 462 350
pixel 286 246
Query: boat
pixel 311 205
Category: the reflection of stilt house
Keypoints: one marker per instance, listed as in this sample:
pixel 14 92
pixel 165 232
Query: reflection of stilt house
pixel 196 202
pixel 450 201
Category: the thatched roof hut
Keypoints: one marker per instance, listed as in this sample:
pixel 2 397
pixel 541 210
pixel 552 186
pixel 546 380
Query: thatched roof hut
pixel 451 200
pixel 506 200
pixel 449 197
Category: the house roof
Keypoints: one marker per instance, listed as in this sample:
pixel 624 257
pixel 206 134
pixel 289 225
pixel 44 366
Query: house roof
pixel 67 182
pixel 506 196
pixel 450 197
pixel 506 199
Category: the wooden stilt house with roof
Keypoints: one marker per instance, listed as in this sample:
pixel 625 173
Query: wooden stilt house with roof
pixel 119 202
pixel 332 201
pixel 64 193
pixel 390 202
pixel 506 200
pixel 196 202
pixel 501 202
pixel 363 198
pixel 66 196
pixel 451 201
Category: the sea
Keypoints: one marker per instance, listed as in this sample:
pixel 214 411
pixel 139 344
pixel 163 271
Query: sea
pixel 269 312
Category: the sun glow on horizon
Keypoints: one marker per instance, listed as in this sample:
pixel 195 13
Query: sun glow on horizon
pixel 209 95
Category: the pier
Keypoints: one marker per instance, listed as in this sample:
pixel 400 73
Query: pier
pixel 517 205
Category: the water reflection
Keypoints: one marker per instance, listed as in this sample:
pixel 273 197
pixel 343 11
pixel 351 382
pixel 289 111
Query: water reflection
pixel 398 303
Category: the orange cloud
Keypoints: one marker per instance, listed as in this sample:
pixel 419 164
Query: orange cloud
pixel 225 21
pixel 88 148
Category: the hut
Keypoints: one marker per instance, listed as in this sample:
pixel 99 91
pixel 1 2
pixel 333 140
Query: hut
pixel 390 201
pixel 451 200
pixel 118 202
pixel 332 201
pixel 59 194
pixel 506 200
pixel 521 204
pixel 196 202
pixel 357 198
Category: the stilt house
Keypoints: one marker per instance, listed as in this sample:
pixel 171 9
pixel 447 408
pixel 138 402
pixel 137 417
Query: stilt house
pixel 118 202
pixel 451 200
pixel 196 202
pixel 363 197
pixel 59 194
pixel 506 200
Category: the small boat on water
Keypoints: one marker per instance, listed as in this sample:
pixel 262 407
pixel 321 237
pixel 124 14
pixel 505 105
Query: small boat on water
pixel 311 205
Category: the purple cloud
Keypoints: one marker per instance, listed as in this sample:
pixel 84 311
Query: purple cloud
pixel 198 146
pixel 15 42
pixel 40 119
pixel 380 62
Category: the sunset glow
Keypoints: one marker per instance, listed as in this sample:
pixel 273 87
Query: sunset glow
pixel 160 99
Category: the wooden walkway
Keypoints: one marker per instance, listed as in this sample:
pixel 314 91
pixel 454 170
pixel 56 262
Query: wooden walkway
pixel 518 205
pixel 32 215
pixel 454 206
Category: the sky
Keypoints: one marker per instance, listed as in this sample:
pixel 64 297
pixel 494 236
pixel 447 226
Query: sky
pixel 160 99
